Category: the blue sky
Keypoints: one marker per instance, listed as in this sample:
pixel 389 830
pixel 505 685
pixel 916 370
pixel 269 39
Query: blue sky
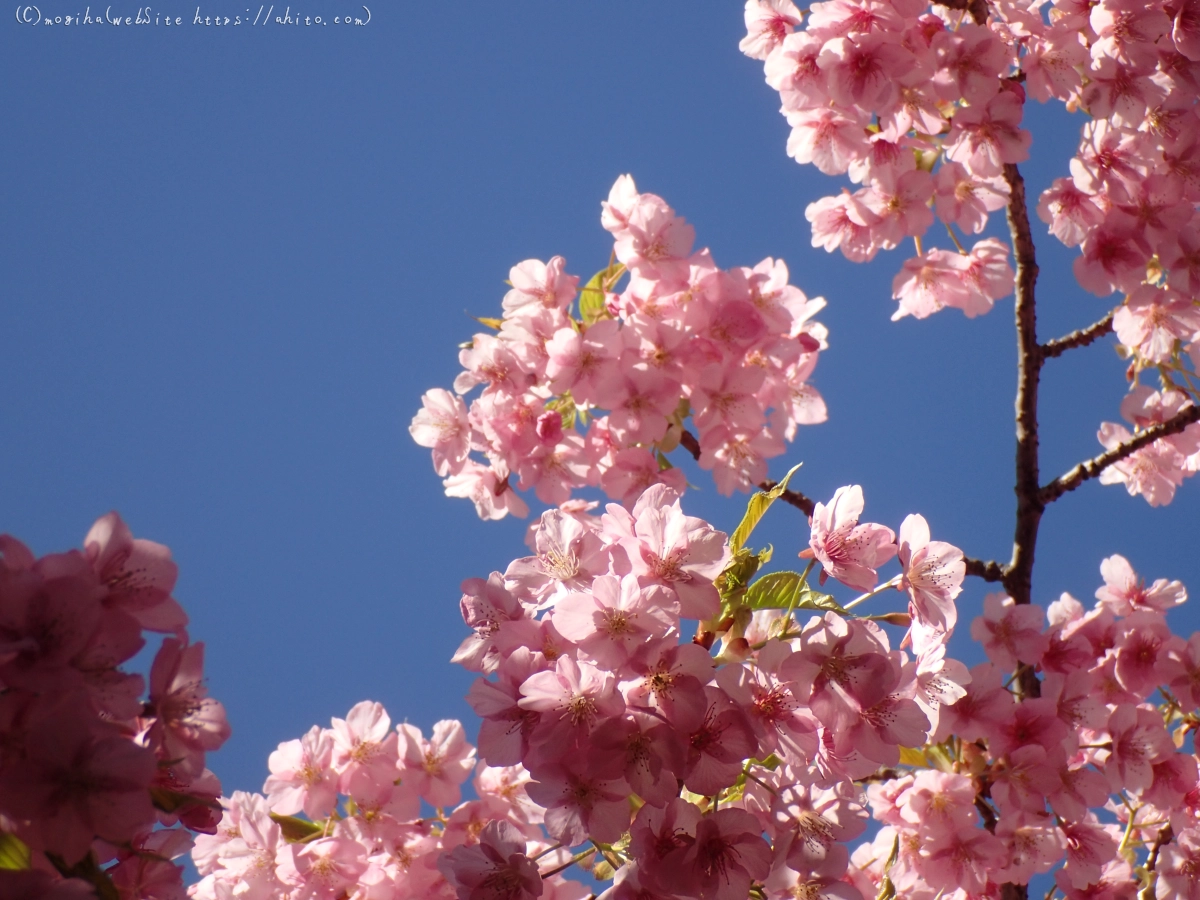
pixel 235 258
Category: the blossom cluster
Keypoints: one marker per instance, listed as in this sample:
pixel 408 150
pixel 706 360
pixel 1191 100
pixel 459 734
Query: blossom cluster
pixel 1157 469
pixel 922 105
pixel 1084 779
pixel 699 775
pixel 912 103
pixel 102 776
pixel 596 394
pixel 360 785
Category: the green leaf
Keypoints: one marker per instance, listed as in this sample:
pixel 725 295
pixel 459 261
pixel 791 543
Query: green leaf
pixel 13 853
pixel 296 830
pixel 737 573
pixel 591 300
pixel 591 296
pixel 756 509
pixel 784 590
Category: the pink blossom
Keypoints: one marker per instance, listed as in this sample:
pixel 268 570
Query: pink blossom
pixel 494 869
pixel 302 776
pixel 933 573
pixel 435 768
pixel 139 574
pixel 985 702
pixel 1051 65
pixel 768 22
pixel 1010 634
pixel 1071 213
pixel 848 551
pixel 843 221
pixel 187 721
pixel 1153 471
pixel 828 138
pixel 940 682
pixel 1089 846
pixel 322 869
pixel 633 471
pixel 582 799
pixel 569 556
pixel 537 284
pixel 364 751
pixel 983 138
pixel 442 425
pixel 615 617
pixel 929 283
pixel 572 698
pixel 1153 319
pixel 146 871
pixel 76 778
pixel 726 856
pixel 665 547
pixel 1139 740
pixel 961 858
pixel 488 488
pixel 1124 593
pixel 717 745
pixel 1179 868
pixel 964 201
pixel 737 459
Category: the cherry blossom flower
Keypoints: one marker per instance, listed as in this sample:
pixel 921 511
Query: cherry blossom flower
pixel 848 551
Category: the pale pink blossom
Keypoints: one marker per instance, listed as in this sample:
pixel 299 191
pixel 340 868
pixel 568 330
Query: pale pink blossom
pixel 435 768
pixel 768 22
pixel 442 425
pixel 666 547
pixel 488 488
pixel 537 284
pixel 849 552
pixel 1010 633
pixel 302 776
pixel 933 573
pixel 931 282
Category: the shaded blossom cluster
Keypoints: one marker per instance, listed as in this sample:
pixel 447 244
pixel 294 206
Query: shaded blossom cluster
pixel 592 386
pixel 1089 781
pixel 102 772
pixel 698 768
pixel 365 811
pixel 922 105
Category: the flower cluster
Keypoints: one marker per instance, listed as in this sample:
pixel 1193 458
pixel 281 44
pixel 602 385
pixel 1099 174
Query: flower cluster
pixel 922 105
pixel 698 775
pixel 1157 469
pixel 596 395
pixel 360 784
pixel 1084 778
pixel 915 105
pixel 102 777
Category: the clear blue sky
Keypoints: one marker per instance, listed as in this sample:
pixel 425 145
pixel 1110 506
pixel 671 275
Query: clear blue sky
pixel 233 259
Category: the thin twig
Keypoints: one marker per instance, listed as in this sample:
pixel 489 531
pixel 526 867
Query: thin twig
pixel 688 442
pixel 1080 338
pixel 1092 467
pixel 988 571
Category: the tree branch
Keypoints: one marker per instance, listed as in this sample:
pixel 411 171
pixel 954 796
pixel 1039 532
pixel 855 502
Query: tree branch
pixel 1018 574
pixel 988 571
pixel 1092 467
pixel 688 442
pixel 1079 338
